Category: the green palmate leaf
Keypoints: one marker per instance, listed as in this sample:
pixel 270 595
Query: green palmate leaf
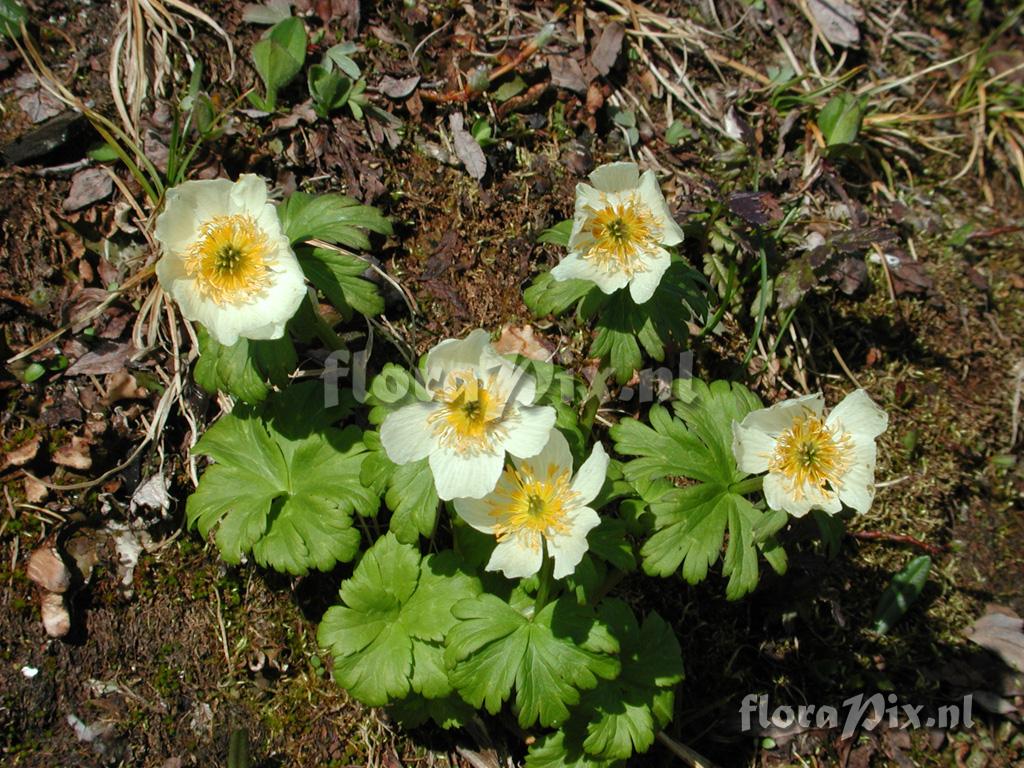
pixel 411 495
pixel 547 296
pixel 624 714
pixel 284 484
pixel 558 750
pixel 334 218
pixel 340 276
pixel 448 712
pixel 548 658
pixel 625 330
pixel 12 14
pixel 690 522
pixel 243 369
pixel 279 56
pixel 387 635
pixel 412 499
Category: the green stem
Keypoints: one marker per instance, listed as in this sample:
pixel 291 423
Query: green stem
pixel 547 568
pixel 750 485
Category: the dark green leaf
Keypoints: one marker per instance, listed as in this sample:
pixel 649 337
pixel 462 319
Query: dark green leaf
pixel 334 218
pixel 624 714
pixel 280 55
pixel 840 119
pixel 904 590
pixel 329 89
pixel 243 368
pixel 340 276
pixel 12 14
pixel 558 234
pixel 690 522
pixel 548 658
pixel 547 296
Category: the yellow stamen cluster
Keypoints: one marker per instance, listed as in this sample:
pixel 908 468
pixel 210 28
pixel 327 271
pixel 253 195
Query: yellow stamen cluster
pixel 231 259
pixel 810 455
pixel 471 413
pixel 531 506
pixel 622 232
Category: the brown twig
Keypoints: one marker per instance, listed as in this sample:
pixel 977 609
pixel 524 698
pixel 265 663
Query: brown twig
pixel 468 91
pixel 898 538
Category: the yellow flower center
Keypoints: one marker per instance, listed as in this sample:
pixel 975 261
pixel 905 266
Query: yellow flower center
pixel 810 454
pixel 622 232
pixel 231 258
pixel 471 413
pixel 531 506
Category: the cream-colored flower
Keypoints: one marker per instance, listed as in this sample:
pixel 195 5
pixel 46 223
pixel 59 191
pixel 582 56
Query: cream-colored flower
pixel 537 504
pixel 226 261
pixel 813 462
pixel 480 407
pixel 619 231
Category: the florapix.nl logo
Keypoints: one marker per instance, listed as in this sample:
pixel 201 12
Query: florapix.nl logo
pixel 860 712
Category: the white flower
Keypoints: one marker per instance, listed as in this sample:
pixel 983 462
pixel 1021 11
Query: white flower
pixel 813 462
pixel 226 261
pixel 619 229
pixel 480 408
pixel 539 504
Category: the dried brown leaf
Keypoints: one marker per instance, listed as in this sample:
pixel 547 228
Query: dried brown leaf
pixel 1001 631
pixel 23 454
pixel 607 50
pixel 837 20
pixel 398 89
pixel 467 148
pixel 567 73
pixel 74 455
pixel 520 340
pixel 87 187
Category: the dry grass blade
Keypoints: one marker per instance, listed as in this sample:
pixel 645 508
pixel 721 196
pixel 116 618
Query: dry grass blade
pixel 140 62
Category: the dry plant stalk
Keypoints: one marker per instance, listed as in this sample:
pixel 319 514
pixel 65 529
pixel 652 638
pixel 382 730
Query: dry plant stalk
pixel 139 60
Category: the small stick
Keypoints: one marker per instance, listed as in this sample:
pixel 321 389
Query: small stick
pixel 686 754
pixel 898 538
pixel 466 92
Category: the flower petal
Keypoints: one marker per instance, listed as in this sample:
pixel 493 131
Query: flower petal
pixel 515 558
pixel 573 267
pixel 514 382
pixel 859 415
pixel 568 549
pixel 644 284
pixel 476 513
pixel 779 417
pixel 465 476
pixel 530 430
pixel 249 194
pixel 455 354
pixel 590 479
pixel 778 496
pixel 407 435
pixel 752 448
pixel 554 452
pixel 616 177
pixel 651 195
pixel 857 487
